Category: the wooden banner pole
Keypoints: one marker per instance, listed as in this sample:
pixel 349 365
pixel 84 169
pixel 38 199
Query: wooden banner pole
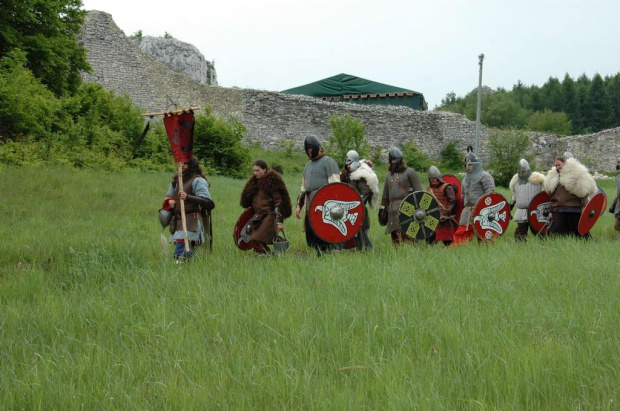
pixel 171 112
pixel 183 220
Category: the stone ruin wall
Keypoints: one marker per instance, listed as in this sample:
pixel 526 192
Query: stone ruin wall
pixel 271 117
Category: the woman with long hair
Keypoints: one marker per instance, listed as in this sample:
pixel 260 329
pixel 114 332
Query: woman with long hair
pixel 195 193
pixel 266 193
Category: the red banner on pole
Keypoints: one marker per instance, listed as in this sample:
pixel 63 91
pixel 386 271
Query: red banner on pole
pixel 180 130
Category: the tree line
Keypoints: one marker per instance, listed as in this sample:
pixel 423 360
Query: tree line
pixel 564 107
pixel 48 115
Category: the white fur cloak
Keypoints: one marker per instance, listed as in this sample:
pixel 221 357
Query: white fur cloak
pixel 534 178
pixel 367 173
pixel 574 177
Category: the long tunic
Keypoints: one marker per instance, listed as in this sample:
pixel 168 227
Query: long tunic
pixel 397 186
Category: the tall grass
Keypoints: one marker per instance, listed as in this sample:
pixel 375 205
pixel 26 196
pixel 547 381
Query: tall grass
pixel 94 315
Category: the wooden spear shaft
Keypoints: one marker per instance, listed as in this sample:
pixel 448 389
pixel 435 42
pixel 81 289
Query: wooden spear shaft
pixel 183 220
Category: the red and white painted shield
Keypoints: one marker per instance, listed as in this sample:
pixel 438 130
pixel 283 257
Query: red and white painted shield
pixel 538 212
pixel 336 213
pixel 241 236
pixel 491 216
pixel 458 208
pixel 590 213
pixel 600 190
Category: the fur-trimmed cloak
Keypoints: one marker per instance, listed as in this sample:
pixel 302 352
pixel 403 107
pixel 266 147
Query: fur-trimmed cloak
pixel 365 172
pixel 264 195
pixel 574 177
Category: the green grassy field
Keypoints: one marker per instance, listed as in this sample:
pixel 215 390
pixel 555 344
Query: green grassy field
pixel 94 314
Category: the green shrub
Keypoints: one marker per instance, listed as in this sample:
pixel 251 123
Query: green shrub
pixel 27 107
pixel 451 157
pixel 217 143
pixel 415 158
pixel 506 148
pixel 550 122
pixel 348 133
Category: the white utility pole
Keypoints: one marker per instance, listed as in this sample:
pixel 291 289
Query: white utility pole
pixel 477 145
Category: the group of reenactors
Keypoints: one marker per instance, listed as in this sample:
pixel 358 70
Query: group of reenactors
pixel 334 203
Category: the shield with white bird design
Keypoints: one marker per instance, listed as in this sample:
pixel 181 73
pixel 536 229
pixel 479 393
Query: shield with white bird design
pixel 491 216
pixel 538 212
pixel 336 212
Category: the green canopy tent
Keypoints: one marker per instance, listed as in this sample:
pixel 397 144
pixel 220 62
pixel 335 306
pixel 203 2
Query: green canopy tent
pixel 352 89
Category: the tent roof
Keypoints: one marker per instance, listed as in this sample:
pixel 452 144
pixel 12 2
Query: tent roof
pixel 345 85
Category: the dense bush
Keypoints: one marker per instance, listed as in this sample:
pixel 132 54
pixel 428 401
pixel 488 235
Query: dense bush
pixel 217 143
pixel 451 157
pixel 348 133
pixel 550 122
pixel 415 158
pixel 506 148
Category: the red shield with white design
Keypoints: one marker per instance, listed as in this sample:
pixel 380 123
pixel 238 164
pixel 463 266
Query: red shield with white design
pixel 590 213
pixel 538 212
pixel 241 234
pixel 458 208
pixel 600 190
pixel 491 216
pixel 336 213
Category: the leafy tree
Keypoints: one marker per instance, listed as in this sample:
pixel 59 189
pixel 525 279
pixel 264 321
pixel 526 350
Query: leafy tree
pixel 550 122
pixel 47 31
pixel 506 148
pixel 348 133
pixel 217 142
pixel 571 103
pixel 613 91
pixel 553 97
pixel 601 115
pixel 451 157
pixel 502 111
pixel 27 107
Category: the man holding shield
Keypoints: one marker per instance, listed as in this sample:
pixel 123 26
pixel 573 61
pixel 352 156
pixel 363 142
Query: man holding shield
pixel 476 183
pixel 319 171
pixel 523 187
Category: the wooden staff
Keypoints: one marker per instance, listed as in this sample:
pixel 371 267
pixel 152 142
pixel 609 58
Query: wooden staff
pixel 186 110
pixel 183 220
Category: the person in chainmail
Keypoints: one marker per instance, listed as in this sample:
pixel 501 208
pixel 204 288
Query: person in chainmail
pixel 476 183
pixel 523 187
pixel 320 170
pixel 446 197
pixel 400 181
pixel 360 175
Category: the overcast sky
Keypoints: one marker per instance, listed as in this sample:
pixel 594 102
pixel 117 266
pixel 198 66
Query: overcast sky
pixel 430 46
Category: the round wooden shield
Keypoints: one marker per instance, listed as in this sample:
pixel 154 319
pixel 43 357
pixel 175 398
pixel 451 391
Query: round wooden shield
pixel 336 213
pixel 538 212
pixel 491 216
pixel 418 215
pixel 458 209
pixel 600 190
pixel 590 213
pixel 242 239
